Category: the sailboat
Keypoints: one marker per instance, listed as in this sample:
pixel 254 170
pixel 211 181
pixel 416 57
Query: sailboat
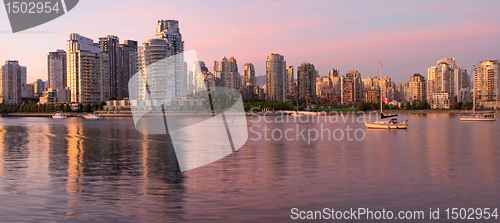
pixel 474 116
pixel 385 122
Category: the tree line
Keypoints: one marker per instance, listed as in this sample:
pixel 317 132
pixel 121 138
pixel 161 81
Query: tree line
pixel 61 107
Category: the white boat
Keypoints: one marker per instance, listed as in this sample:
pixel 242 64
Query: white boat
pixel 477 117
pixel 59 116
pixel 387 124
pixel 474 116
pixel 393 123
pixel 91 116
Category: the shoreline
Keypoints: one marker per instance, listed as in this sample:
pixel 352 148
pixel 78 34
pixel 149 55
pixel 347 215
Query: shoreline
pixel 386 111
pixel 269 113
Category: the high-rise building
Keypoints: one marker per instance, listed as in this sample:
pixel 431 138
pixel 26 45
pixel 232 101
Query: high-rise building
pixel 128 67
pixel 39 87
pixel 24 84
pixel 249 81
pixel 227 71
pixel 170 32
pixel 306 82
pixel 333 73
pixel 487 81
pixel 372 94
pixel 234 75
pixel 319 87
pixel 367 82
pixel 459 80
pixel 87 71
pixel 387 87
pixel 56 62
pixel 445 77
pixel 111 46
pixel 417 88
pixel 289 78
pixel 154 71
pixel 351 88
pixel 404 91
pixel 376 82
pixel 200 72
pixel 431 77
pixel 30 88
pixel 276 78
pixel 12 75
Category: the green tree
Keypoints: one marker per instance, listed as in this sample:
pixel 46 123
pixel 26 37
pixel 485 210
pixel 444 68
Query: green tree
pixel 467 105
pixel 87 108
pixel 361 106
pixel 422 105
pixel 408 105
pixel 67 108
pixel 414 105
pixel 101 106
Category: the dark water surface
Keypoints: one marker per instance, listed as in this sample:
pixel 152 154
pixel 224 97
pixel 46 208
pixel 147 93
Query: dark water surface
pixel 105 170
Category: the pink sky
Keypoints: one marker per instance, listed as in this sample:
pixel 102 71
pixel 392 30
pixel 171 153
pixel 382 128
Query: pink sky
pixel 408 37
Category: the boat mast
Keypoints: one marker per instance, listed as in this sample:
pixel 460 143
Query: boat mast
pixel 380 86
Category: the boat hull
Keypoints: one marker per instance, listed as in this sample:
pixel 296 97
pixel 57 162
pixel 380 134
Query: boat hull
pixel 92 117
pixel 385 126
pixel 477 119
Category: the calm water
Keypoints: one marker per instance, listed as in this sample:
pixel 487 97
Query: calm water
pixel 105 170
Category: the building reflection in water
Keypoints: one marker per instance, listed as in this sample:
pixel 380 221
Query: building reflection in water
pixel 74 153
pixel 14 157
pixel 114 166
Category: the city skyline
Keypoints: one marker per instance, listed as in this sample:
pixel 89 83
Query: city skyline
pixel 406 37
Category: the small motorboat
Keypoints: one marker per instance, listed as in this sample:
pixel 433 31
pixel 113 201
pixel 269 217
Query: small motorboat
pixel 91 116
pixel 59 116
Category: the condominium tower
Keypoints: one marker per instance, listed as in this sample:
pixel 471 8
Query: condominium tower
pixel 276 78
pixel 249 81
pixel 56 64
pixel 487 81
pixel 87 71
pixel 169 31
pixel 306 82
pixel 111 46
pixel 128 67
pixel 11 79
pixel 417 88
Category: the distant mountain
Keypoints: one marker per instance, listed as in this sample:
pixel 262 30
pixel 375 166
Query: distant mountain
pixel 261 80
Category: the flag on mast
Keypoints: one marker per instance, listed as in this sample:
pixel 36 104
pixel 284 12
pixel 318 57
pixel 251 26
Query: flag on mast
pixel 386 100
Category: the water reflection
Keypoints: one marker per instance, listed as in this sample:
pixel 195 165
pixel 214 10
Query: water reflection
pixel 84 170
pixel 15 156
